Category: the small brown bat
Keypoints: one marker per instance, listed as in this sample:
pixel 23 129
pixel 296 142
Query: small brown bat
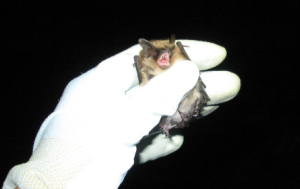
pixel 156 57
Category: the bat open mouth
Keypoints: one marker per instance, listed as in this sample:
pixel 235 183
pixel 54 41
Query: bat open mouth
pixel 164 60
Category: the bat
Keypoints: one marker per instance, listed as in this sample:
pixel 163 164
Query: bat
pixel 156 57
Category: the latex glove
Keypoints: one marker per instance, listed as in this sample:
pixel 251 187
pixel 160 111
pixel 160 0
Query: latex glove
pixel 89 140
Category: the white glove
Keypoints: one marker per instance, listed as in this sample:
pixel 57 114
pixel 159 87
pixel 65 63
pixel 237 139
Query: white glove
pixel 89 140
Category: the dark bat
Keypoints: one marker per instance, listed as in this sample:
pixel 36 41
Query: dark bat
pixel 156 57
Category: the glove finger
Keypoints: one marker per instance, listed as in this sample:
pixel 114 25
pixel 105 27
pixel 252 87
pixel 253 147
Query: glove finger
pixel 207 110
pixel 205 54
pixel 157 146
pixel 221 86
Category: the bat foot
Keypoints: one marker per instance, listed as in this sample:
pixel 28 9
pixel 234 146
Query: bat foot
pixel 165 130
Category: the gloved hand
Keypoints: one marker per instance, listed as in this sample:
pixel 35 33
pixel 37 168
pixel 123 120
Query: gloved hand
pixel 89 141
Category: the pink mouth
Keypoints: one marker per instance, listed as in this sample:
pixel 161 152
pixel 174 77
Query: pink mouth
pixel 164 60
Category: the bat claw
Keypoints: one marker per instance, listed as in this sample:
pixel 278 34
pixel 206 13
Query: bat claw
pixel 165 130
pixel 179 44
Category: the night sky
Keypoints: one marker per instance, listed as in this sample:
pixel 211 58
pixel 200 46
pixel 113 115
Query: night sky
pixel 251 141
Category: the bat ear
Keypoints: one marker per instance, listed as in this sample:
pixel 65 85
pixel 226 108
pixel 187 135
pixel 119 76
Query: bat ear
pixel 172 39
pixel 147 47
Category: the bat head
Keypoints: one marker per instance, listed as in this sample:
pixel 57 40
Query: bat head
pixel 160 51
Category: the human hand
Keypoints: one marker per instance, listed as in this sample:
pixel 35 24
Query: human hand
pixel 89 140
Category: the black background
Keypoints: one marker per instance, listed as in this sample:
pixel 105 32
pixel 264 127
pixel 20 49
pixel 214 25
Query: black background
pixel 250 142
